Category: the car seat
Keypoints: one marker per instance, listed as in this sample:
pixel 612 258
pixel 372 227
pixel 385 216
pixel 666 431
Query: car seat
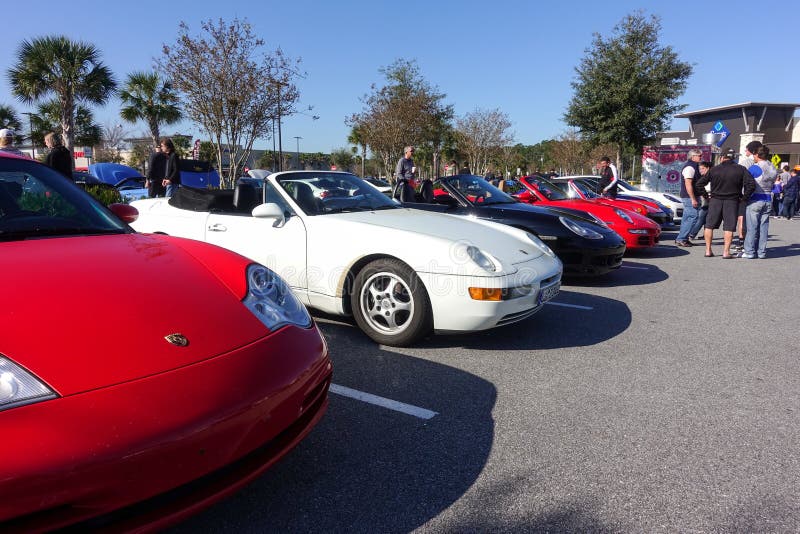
pixel 304 197
pixel 245 198
pixel 426 191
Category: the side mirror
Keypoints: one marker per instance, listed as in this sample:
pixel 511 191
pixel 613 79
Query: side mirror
pixel 125 212
pixel 270 210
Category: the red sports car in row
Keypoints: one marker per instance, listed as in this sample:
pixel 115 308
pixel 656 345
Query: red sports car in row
pixel 142 377
pixel 637 230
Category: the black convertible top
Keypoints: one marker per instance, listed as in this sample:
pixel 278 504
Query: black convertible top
pixel 196 199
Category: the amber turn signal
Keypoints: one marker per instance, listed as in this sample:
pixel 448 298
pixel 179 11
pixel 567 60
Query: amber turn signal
pixel 485 293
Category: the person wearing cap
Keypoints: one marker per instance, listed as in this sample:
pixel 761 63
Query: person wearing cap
pixel 7 143
pixel 730 182
pixel 759 205
pixel 59 157
pixel 791 189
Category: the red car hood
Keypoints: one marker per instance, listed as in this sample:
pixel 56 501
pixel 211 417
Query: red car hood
pixel 88 312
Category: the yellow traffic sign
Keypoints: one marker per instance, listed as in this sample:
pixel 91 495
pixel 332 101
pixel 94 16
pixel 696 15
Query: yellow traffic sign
pixel 776 159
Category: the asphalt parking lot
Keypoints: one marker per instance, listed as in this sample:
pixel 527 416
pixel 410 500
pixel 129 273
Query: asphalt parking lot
pixel 661 398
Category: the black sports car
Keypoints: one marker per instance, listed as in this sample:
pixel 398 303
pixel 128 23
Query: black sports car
pixel 585 245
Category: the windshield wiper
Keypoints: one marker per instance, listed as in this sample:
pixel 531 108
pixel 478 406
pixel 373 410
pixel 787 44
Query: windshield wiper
pixel 28 233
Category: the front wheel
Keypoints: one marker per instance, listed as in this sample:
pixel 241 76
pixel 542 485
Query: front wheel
pixel 390 303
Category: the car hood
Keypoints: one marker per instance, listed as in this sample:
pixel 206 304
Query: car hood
pixel 441 232
pixel 87 312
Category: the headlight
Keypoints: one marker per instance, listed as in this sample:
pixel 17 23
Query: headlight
pixel 271 300
pixel 540 245
pixel 582 231
pixel 483 261
pixel 624 216
pixel 18 387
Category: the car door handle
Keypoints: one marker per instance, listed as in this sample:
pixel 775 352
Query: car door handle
pixel 217 228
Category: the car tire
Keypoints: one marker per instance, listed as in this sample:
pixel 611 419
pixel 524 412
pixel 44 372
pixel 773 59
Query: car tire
pixel 390 304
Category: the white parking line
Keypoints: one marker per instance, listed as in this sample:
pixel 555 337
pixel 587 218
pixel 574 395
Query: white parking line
pixel 632 267
pixel 408 409
pixel 569 305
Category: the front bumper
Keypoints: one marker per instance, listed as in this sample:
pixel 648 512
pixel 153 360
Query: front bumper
pixel 582 261
pixel 152 451
pixel 455 311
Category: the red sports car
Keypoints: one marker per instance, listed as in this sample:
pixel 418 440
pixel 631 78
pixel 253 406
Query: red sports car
pixel 576 188
pixel 142 377
pixel 636 230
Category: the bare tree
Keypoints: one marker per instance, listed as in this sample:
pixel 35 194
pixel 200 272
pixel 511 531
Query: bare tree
pixel 569 152
pixel 481 135
pixel 230 87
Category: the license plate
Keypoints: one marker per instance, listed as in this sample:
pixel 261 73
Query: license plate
pixel 547 293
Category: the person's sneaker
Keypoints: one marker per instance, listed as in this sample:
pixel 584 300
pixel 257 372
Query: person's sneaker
pixel 683 244
pixel 746 256
pixel 737 247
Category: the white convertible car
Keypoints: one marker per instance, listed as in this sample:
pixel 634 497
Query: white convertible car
pixel 401 273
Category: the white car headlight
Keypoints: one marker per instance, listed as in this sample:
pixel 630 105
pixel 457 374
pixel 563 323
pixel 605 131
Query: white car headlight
pixel 18 387
pixel 538 243
pixel 272 301
pixel 624 216
pixel 482 259
pixel 582 231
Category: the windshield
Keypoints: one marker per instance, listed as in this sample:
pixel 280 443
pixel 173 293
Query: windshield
pixel 322 193
pixel 585 189
pixel 36 201
pixel 477 190
pixel 548 189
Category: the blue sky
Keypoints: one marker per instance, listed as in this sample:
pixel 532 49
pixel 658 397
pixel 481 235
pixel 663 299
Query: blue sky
pixel 518 56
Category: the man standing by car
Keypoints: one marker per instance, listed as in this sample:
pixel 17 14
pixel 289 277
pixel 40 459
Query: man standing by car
pixel 730 183
pixel 608 182
pixel 156 170
pixel 172 176
pixel 689 173
pixel 58 158
pixel 404 174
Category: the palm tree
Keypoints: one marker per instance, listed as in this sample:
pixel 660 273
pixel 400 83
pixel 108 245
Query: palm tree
pixel 9 118
pixel 357 137
pixel 147 97
pixel 47 119
pixel 70 71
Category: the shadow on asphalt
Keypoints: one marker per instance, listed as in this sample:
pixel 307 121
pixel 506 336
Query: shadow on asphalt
pixel 633 272
pixel 365 468
pixel 784 251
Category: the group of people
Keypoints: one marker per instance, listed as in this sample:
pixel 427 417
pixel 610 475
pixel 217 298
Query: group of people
pixel 58 156
pixel 739 197
pixel 163 173
pixel 785 192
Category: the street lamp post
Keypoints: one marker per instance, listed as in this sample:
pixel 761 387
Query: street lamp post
pixel 30 125
pixel 297 137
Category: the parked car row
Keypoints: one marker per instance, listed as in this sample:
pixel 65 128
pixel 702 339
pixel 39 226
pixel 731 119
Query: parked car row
pixel 215 290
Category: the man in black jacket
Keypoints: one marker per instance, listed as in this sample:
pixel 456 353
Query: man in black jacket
pixel 59 157
pixel 730 184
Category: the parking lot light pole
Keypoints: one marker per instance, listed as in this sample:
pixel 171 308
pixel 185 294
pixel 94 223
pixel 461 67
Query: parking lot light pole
pixel 297 137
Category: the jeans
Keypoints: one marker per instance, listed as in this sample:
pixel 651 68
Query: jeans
pixel 789 206
pixel 757 216
pixel 687 221
pixel 702 212
pixel 171 188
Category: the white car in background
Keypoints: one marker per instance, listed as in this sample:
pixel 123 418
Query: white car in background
pixel 668 199
pixel 400 272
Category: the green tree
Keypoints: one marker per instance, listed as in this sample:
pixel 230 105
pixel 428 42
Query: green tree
pixel 147 97
pixel 9 118
pixel 627 85
pixel 69 71
pixel 481 136
pixel 343 159
pixel 357 137
pixel 405 111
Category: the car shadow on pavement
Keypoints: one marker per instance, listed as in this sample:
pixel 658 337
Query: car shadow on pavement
pixel 633 272
pixel 571 319
pixel 366 468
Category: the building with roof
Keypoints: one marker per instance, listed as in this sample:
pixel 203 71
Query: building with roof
pixel 773 124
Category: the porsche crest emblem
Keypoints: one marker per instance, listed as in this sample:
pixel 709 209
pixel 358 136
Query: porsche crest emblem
pixel 179 340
